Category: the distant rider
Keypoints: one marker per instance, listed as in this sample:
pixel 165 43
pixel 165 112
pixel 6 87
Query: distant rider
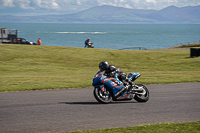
pixel 87 42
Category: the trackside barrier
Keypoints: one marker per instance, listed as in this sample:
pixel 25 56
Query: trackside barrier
pixel 139 48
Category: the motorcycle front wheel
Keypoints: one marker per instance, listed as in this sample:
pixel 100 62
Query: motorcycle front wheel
pixel 102 97
pixel 142 96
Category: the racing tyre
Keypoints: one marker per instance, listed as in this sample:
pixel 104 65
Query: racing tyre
pixel 102 97
pixel 142 96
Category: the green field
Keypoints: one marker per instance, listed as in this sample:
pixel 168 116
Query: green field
pixel 186 127
pixel 32 67
pixel 29 67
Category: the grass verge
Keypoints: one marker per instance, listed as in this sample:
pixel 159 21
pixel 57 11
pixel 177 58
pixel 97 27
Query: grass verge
pixel 30 67
pixel 187 45
pixel 186 127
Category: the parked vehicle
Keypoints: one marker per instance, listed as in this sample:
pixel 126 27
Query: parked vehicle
pixel 106 93
pixel 7 35
pixel 23 41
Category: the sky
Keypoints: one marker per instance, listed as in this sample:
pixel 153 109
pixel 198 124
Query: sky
pixel 43 7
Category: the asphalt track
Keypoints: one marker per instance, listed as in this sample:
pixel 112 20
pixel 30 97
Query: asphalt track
pixel 76 109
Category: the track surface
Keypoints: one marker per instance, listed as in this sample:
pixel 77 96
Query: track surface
pixel 76 109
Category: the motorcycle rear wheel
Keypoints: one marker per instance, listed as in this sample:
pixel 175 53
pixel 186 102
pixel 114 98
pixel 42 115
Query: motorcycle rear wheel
pixel 102 97
pixel 143 97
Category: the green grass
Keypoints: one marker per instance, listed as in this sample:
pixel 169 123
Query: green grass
pixel 30 67
pixel 187 127
pixel 193 45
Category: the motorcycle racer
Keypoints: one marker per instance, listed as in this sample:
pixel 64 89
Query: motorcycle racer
pixel 112 71
pixel 111 84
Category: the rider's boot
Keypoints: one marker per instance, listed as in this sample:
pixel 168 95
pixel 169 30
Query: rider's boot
pixel 136 88
pixel 130 85
pixel 133 88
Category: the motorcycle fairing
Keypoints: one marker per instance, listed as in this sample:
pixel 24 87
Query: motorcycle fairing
pixel 133 76
pixel 125 96
pixel 97 78
pixel 113 83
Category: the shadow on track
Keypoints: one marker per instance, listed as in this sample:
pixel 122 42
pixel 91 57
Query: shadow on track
pixel 79 103
pixel 95 103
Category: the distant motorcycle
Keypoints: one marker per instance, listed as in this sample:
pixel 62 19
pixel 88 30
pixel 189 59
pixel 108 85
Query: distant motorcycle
pixel 105 94
pixel 90 45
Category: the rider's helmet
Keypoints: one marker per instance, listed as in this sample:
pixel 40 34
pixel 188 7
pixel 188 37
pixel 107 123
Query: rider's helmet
pixel 103 65
pixel 88 38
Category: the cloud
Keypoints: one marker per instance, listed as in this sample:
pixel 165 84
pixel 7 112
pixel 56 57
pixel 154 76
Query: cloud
pixel 6 3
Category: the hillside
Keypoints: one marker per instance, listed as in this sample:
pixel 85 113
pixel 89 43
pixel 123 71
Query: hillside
pixel 174 14
pixel 111 14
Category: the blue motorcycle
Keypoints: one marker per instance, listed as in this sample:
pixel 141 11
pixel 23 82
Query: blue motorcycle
pixel 108 89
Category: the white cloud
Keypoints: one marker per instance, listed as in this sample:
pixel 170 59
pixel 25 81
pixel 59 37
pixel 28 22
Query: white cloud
pixel 151 1
pixel 24 4
pixel 47 4
pixel 7 3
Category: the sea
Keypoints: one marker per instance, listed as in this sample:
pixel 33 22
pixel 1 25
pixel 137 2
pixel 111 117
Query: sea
pixel 108 36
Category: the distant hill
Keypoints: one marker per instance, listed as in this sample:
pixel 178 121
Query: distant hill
pixel 111 14
pixel 173 14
